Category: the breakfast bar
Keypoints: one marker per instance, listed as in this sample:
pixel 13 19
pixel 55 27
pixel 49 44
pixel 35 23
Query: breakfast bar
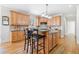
pixel 51 40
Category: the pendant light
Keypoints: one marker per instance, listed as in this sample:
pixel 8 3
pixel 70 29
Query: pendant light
pixel 45 14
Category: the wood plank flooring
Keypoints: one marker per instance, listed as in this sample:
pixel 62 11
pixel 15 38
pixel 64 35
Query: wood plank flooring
pixel 68 46
pixel 17 48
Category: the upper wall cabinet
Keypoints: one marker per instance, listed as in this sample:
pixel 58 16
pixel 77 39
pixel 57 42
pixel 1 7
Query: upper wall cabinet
pixel 26 20
pixel 42 19
pixel 19 18
pixel 56 20
pixel 13 18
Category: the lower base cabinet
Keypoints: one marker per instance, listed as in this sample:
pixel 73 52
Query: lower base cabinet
pixel 53 41
pixel 17 36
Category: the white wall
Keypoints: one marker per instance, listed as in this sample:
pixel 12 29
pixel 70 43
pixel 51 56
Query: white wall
pixel 70 24
pixel 5 33
pixel 62 26
pixel 71 27
pixel 77 25
pixel 0 25
pixel 5 30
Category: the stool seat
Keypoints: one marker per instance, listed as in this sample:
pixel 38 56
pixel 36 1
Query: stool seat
pixel 38 36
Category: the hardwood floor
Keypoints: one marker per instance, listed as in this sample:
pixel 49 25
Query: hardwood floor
pixel 12 48
pixel 67 46
pixel 17 48
pixel 70 44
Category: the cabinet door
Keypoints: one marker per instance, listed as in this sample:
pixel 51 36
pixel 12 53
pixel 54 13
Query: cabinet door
pixel 20 35
pixel 38 20
pixel 13 18
pixel 17 36
pixel 19 19
pixel 43 19
pixel 54 39
pixel 23 19
pixel 26 20
pixel 50 42
pixel 58 37
pixel 56 20
pixel 14 36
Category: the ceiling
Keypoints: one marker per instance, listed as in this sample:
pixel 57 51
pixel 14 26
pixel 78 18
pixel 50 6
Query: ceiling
pixel 38 9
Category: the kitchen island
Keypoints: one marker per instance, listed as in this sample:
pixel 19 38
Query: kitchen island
pixel 51 40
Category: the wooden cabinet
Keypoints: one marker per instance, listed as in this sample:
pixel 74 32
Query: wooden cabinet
pixel 26 20
pixel 50 41
pixel 18 21
pixel 41 19
pixel 56 20
pixel 53 37
pixel 20 35
pixel 14 36
pixel 23 19
pixel 38 20
pixel 19 18
pixel 58 37
pixel 13 18
pixel 17 36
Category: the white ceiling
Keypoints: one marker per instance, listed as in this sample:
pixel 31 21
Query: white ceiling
pixel 38 9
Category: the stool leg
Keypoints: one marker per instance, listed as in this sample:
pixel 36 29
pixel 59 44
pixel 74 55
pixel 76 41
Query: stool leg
pixel 32 45
pixel 44 45
pixel 37 46
pixel 25 44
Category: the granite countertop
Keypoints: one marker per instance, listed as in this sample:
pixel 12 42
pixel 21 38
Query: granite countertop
pixel 43 30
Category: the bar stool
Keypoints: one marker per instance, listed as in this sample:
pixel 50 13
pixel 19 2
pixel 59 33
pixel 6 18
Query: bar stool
pixel 36 38
pixel 32 37
pixel 28 35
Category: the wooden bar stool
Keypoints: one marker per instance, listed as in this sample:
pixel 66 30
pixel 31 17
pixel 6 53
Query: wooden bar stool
pixel 32 39
pixel 35 39
pixel 28 35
